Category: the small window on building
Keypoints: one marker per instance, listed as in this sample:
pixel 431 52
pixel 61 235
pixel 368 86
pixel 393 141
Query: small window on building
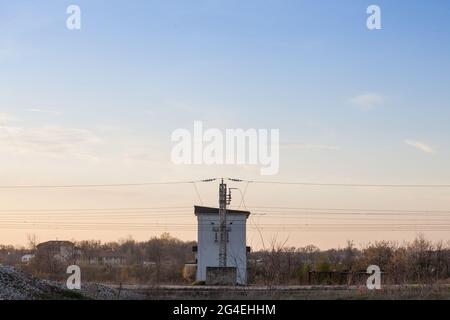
pixel 215 237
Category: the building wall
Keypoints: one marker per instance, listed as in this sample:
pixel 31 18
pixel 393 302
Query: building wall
pixel 219 276
pixel 208 247
pixel 66 253
pixel 61 251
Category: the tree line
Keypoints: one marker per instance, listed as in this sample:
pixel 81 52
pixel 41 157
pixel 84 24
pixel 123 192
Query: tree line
pixel 161 260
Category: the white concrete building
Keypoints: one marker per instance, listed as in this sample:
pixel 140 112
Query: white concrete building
pixel 208 241
pixel 107 258
pixel 27 258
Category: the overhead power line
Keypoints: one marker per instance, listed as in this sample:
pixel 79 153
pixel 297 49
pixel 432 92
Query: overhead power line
pixel 332 211
pixel 352 209
pixel 112 185
pixel 188 208
pixel 299 183
pixel 349 185
pixel 99 209
pixel 273 227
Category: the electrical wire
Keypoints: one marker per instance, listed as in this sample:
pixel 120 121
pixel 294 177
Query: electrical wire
pixel 350 185
pixel 102 185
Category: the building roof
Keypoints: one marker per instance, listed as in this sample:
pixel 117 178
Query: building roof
pixel 215 211
pixel 55 243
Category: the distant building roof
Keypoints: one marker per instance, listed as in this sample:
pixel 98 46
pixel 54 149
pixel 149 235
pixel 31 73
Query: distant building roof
pixel 55 243
pixel 215 211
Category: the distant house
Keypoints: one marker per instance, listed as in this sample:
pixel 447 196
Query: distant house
pixel 61 251
pixel 107 258
pixel 27 258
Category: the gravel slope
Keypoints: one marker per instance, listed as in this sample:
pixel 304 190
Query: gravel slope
pixel 18 285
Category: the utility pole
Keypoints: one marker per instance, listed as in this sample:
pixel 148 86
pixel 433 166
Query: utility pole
pixel 224 200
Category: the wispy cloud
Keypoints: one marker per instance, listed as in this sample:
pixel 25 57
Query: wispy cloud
pixel 302 146
pixel 6 117
pixel 420 146
pixel 55 140
pixel 367 101
pixel 37 110
pixel 152 158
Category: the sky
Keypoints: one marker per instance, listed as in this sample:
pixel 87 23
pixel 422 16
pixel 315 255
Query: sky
pixel 98 106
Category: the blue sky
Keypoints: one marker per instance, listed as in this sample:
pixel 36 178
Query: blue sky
pixel 352 105
pixel 254 60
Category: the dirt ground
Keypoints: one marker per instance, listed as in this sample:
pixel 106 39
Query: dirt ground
pixel 410 292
